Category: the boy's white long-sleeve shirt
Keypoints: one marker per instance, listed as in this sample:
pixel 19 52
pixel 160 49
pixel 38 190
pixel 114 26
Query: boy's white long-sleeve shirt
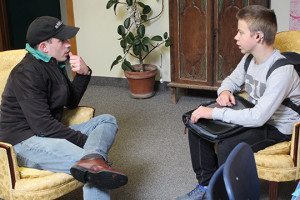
pixel 267 95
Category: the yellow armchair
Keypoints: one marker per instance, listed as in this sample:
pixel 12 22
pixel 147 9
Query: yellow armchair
pixel 280 162
pixel 27 183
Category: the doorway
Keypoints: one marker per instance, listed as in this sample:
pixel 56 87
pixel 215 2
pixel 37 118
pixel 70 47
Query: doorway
pixel 16 15
pixel 21 13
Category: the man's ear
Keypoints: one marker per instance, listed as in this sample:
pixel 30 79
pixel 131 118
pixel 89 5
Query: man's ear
pixel 43 47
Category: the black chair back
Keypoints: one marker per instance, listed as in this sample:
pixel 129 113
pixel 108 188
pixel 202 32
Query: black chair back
pixel 216 189
pixel 240 174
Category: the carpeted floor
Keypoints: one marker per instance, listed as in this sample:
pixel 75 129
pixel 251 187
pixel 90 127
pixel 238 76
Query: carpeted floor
pixel 151 147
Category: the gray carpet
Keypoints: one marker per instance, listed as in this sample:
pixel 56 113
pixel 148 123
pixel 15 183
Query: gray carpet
pixel 151 147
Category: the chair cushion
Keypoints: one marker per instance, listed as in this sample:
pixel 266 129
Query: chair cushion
pixel 46 182
pixel 275 167
pixel 49 186
pixel 290 44
pixel 277 149
pixel 276 174
pixel 33 173
pixel 8 60
pixel 77 115
pixel 274 161
pixel 5 180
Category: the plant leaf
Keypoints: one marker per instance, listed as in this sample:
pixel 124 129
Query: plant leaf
pixel 144 17
pixel 115 8
pixel 141 30
pixel 127 23
pixel 168 42
pixel 115 62
pixel 121 30
pixel 157 38
pixel 165 35
pixel 123 43
pixel 141 4
pixel 146 40
pixel 137 49
pixel 145 48
pixel 146 9
pixel 110 3
pixel 137 41
pixel 119 58
pixel 129 2
pixel 130 38
pixel 126 66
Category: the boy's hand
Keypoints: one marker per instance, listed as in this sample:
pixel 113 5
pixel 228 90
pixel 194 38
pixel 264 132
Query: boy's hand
pixel 201 112
pixel 226 99
pixel 78 65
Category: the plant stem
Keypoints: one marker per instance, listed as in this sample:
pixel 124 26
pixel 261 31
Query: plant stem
pixel 154 47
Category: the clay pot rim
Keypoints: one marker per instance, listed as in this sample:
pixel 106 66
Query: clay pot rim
pixel 151 70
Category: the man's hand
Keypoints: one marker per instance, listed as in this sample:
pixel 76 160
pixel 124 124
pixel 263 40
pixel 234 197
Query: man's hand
pixel 78 65
pixel 226 99
pixel 201 112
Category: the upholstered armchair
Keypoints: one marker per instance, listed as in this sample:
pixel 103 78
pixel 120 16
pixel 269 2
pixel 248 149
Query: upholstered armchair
pixel 27 183
pixel 280 162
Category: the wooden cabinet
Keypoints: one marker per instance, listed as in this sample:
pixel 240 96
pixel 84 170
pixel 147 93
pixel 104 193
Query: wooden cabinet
pixel 204 51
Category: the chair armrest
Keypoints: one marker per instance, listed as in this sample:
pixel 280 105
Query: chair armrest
pixel 78 115
pixel 295 150
pixel 33 173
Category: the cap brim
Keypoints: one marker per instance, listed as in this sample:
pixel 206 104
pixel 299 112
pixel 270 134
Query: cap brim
pixel 66 32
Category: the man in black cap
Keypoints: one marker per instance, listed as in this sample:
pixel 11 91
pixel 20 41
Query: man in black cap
pixel 36 92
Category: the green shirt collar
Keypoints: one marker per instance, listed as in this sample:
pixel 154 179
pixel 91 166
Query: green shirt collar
pixel 37 54
pixel 42 56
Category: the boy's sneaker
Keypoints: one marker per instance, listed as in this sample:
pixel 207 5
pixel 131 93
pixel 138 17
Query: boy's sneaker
pixel 196 194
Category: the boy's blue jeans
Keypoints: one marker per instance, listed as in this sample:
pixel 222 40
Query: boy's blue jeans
pixel 59 155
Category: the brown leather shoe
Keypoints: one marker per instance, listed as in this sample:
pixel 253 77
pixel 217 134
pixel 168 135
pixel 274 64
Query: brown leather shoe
pixel 96 171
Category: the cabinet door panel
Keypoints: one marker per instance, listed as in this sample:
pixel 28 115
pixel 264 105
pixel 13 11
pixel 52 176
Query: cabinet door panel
pixel 204 51
pixel 194 48
pixel 227 54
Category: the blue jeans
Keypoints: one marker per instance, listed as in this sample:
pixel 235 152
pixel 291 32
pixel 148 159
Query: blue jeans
pixel 59 155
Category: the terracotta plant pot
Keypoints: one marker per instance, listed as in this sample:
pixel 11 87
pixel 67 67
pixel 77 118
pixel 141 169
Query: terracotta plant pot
pixel 141 84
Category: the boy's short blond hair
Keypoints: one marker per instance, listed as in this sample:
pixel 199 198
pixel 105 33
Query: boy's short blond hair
pixel 260 18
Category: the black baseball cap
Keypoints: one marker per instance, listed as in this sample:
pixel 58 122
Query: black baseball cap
pixel 46 27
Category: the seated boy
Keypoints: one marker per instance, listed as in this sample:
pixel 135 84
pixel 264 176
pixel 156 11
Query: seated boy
pixel 269 121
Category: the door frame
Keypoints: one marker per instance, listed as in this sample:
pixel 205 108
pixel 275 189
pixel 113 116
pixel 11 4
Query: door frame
pixel 4 29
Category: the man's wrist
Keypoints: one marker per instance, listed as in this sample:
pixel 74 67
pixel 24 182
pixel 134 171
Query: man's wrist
pixel 89 72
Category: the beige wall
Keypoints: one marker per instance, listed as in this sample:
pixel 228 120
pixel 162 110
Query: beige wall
pixel 97 40
pixel 282 10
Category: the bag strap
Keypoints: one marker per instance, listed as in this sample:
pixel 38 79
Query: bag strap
pixel 247 62
pixel 279 63
pixel 287 102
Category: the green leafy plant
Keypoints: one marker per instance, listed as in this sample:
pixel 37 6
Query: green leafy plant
pixel 134 40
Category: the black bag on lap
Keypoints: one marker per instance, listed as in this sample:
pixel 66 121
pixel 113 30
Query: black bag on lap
pixel 215 130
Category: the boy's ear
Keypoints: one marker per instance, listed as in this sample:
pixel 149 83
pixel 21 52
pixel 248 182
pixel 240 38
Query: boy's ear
pixel 260 35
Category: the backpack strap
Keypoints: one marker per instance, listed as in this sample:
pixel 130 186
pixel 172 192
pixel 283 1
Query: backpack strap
pixel 287 102
pixel 247 62
pixel 278 63
pixel 293 57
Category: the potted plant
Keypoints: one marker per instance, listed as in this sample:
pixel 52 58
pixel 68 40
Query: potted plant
pixel 137 45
